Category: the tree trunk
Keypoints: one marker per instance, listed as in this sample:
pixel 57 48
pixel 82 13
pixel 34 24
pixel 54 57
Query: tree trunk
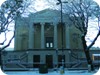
pixel 93 42
pixel 1 60
pixel 87 54
pixel 0 57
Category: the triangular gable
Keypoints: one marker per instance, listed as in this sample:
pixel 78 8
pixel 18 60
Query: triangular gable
pixel 47 15
pixel 48 12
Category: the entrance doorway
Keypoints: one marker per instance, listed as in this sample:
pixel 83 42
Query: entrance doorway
pixel 49 61
pixel 36 61
pixel 60 60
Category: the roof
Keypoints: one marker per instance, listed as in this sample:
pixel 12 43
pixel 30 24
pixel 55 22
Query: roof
pixel 47 15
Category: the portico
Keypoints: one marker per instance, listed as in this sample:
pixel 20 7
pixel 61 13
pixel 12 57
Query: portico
pixel 50 29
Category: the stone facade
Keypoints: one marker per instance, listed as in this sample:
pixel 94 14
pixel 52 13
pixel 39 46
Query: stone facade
pixel 38 40
pixel 43 30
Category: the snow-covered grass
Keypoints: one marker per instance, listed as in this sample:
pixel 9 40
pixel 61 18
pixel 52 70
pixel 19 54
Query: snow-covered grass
pixel 51 72
pixel 81 72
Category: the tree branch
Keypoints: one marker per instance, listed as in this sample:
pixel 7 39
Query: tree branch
pixel 1 49
pixel 93 42
pixel 4 39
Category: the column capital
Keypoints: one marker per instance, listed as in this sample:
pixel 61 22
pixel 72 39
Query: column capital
pixel 42 23
pixel 55 23
pixel 67 25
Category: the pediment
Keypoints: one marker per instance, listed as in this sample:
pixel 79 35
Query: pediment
pixel 47 15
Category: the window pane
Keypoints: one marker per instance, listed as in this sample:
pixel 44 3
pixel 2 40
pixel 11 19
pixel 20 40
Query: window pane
pixel 51 44
pixel 47 44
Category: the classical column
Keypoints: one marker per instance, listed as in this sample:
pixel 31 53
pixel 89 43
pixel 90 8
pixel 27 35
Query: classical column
pixel 42 35
pixel 19 43
pixel 31 35
pixel 67 34
pixel 55 44
pixel 55 35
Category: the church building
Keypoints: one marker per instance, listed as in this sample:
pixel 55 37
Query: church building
pixel 40 39
pixel 43 30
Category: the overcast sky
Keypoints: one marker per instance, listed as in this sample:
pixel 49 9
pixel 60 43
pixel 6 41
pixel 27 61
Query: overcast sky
pixel 98 1
pixel 1 1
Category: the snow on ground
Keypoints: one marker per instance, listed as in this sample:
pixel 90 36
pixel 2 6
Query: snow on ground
pixel 98 72
pixel 67 72
pixel 1 73
pixel 81 72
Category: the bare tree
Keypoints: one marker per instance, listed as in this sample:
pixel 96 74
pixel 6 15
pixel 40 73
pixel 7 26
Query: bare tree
pixel 80 11
pixel 9 10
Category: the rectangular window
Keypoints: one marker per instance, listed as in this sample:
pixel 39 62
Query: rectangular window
pixel 96 57
pixel 51 45
pixel 49 42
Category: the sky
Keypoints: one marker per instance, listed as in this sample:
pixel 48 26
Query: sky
pixel 41 5
pixel 98 1
pixel 9 35
pixel 1 1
